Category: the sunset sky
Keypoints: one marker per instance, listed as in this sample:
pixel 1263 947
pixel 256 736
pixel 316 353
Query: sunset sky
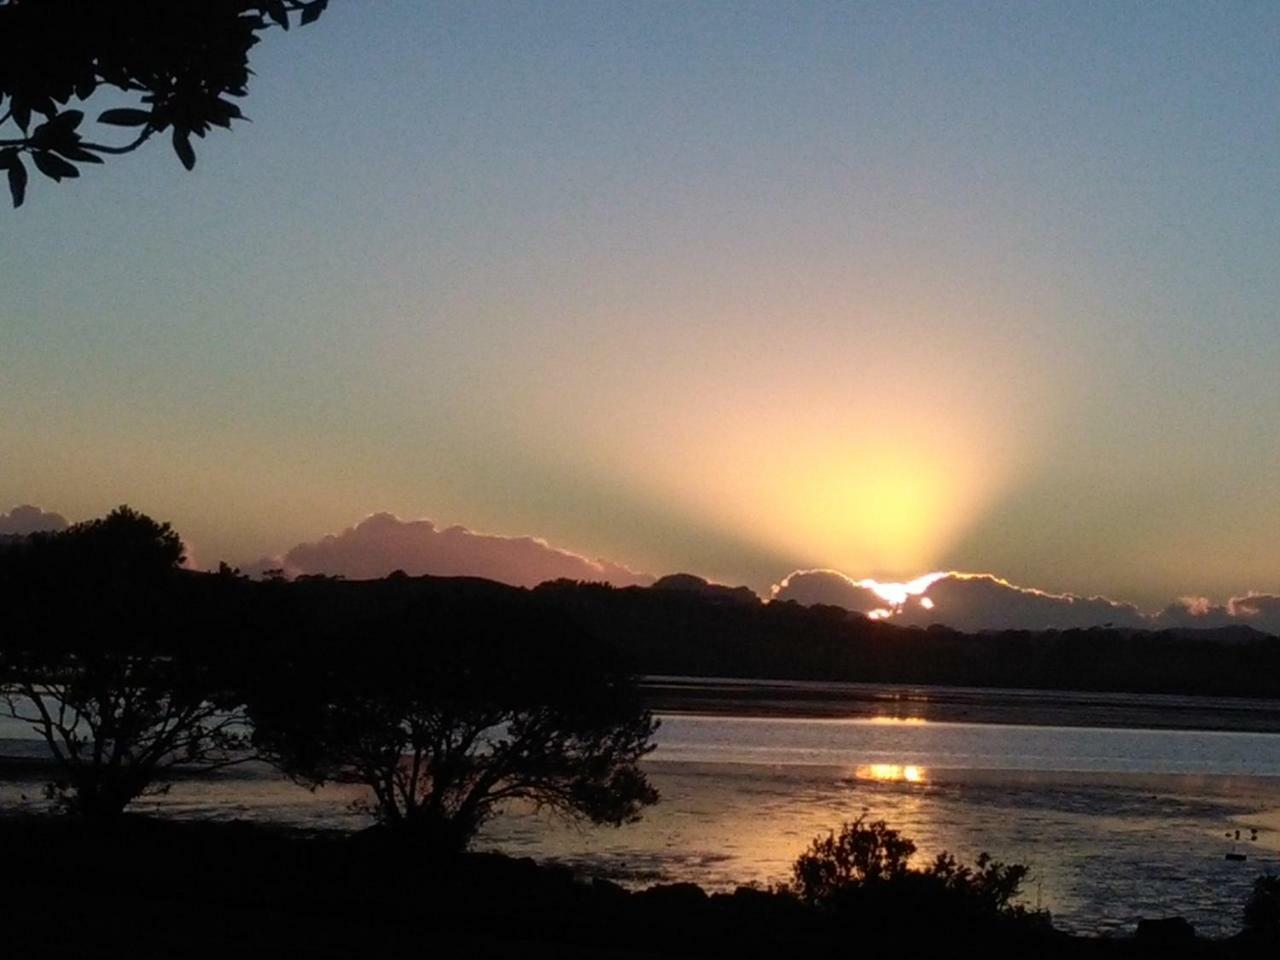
pixel 729 288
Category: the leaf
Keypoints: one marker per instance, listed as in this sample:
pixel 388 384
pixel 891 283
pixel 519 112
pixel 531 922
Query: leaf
pixel 76 152
pixel 276 11
pixel 311 12
pixel 66 121
pixel 230 109
pixel 53 167
pixel 182 147
pixel 17 182
pixel 57 131
pixel 222 112
pixel 125 117
pixel 46 106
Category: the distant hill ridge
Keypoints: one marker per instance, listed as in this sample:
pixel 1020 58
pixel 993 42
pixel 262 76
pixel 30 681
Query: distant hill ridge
pixel 685 626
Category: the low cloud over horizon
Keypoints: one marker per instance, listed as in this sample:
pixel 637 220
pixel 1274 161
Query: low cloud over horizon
pixel 972 602
pixel 382 543
pixel 27 519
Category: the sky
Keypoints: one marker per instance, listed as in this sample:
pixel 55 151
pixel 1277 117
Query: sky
pixel 739 289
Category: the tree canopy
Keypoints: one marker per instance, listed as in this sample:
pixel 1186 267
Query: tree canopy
pixel 446 704
pixel 178 66
pixel 100 657
pixel 468 709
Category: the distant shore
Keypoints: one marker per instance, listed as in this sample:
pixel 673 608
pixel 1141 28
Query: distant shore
pixel 950 704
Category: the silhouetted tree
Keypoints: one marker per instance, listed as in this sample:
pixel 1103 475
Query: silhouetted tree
pixel 99 661
pixel 446 722
pixel 179 61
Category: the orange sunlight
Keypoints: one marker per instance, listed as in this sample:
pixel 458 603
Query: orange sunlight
pixel 911 721
pixel 891 773
pixel 888 499
pixel 898 593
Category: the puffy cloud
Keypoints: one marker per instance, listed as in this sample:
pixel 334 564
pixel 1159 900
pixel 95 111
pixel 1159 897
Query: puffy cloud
pixel 383 542
pixel 973 602
pixel 1258 610
pixel 981 602
pixel 26 519
pixel 831 588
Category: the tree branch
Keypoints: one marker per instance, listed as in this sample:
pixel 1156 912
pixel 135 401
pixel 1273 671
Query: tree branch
pixel 117 151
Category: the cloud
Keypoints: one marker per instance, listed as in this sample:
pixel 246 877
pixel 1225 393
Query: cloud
pixel 1258 610
pixel 830 588
pixel 26 519
pixel 982 602
pixel 973 602
pixel 382 542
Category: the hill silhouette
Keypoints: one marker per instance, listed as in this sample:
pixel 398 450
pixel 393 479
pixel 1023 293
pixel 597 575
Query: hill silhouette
pixel 683 627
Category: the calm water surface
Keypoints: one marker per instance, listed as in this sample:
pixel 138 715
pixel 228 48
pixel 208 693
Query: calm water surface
pixel 1116 823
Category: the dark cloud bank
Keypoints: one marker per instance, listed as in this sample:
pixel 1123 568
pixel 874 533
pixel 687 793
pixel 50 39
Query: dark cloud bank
pixel 381 543
pixel 24 520
pixel 973 602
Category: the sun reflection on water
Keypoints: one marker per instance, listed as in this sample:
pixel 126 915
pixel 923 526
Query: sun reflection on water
pixel 897 721
pixel 891 772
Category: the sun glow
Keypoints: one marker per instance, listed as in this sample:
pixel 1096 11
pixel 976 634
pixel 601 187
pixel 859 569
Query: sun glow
pixel 887 499
pixel 897 594
pixel 889 509
pixel 866 460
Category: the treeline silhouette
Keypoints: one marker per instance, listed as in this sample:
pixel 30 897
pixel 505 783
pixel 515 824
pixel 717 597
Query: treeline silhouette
pixel 718 633
pixel 445 704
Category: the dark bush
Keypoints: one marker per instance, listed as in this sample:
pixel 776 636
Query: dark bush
pixel 863 873
pixel 1262 911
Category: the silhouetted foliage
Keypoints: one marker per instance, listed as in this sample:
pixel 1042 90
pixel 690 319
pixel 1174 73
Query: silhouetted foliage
pixel 989 884
pixel 98 661
pixel 1262 912
pixel 287 893
pixel 688 633
pixel 180 62
pixel 469 708
pixel 864 872
pixel 861 853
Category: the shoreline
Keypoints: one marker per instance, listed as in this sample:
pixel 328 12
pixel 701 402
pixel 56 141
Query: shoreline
pixel 828 700
pixel 282 891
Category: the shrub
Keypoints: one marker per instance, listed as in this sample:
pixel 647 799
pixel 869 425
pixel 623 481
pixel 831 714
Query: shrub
pixel 864 872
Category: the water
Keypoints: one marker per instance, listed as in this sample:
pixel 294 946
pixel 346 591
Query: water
pixel 939 746
pixel 1116 823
